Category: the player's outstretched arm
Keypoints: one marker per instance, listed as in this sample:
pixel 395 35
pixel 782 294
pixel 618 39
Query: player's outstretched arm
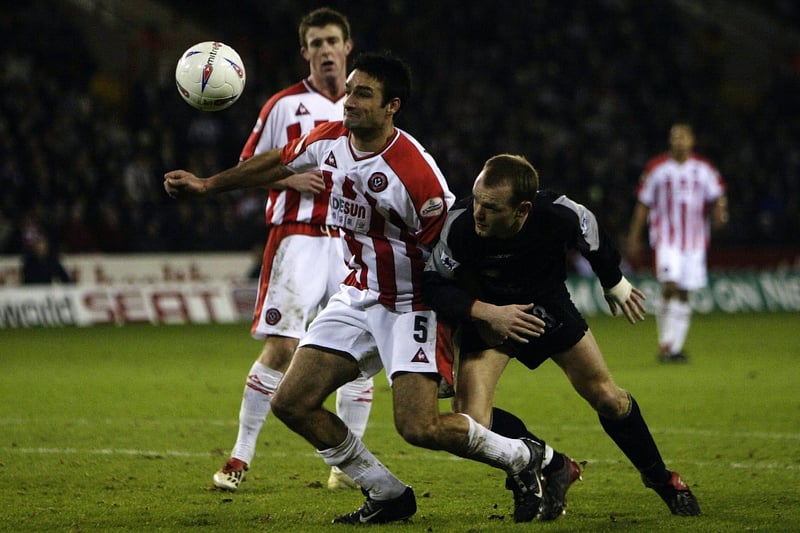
pixel 180 184
pixel 628 298
pixel 311 182
pixel 258 171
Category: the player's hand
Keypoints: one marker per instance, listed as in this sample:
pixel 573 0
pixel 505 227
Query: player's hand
pixel 180 184
pixel 499 323
pixel 628 298
pixel 311 182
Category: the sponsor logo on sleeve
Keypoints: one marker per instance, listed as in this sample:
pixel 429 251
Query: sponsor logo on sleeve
pixel 433 207
pixel 448 262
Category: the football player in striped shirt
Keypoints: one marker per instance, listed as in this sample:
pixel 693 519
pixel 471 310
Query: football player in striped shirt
pixel 389 198
pixel 680 196
pixel 302 263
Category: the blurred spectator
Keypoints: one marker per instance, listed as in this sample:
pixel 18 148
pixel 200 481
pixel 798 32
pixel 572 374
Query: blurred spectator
pixel 77 235
pixel 587 98
pixel 41 265
pixel 6 232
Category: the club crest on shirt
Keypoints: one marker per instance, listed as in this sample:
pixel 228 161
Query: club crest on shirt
pixel 433 207
pixel 378 182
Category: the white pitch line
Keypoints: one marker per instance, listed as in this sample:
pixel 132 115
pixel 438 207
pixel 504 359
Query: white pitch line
pixel 552 429
pixel 415 457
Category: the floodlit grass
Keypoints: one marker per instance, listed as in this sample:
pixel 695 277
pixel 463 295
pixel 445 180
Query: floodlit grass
pixel 110 428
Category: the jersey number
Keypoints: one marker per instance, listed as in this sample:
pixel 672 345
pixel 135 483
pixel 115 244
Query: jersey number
pixel 420 328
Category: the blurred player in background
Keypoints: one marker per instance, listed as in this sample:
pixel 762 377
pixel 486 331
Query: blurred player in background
pixel 303 262
pixel 677 192
pixel 390 199
pixel 499 264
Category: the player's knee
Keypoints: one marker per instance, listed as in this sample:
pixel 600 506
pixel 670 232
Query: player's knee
pixel 479 414
pixel 611 403
pixel 418 434
pixel 286 410
pixel 277 352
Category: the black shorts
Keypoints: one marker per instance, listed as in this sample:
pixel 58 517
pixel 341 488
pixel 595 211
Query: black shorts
pixel 565 326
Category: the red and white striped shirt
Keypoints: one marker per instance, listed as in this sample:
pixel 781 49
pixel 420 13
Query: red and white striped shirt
pixel 286 116
pixel 679 195
pixel 390 205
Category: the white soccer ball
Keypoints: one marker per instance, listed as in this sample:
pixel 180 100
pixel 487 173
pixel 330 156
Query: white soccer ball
pixel 210 76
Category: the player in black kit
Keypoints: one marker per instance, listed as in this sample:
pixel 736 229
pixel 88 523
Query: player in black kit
pixel 499 272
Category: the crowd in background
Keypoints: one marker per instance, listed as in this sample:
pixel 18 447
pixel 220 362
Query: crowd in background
pixel 586 93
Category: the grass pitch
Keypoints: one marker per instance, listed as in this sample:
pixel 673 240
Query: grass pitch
pixel 120 429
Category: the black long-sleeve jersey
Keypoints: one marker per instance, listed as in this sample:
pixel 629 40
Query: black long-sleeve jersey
pixel 530 267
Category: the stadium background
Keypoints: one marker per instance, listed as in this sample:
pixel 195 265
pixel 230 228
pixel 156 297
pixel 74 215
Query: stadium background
pixel 90 118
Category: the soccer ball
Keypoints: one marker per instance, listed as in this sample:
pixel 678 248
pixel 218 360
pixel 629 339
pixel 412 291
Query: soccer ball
pixel 210 76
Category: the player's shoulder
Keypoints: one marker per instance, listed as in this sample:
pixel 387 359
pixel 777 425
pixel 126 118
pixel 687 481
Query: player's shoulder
pixel 545 197
pixel 301 87
pixel 551 207
pixel 459 227
pixel 285 97
pixel 460 210
pixel 326 131
pixel 656 162
pixel 405 146
pixel 702 160
pixel 548 201
pixel 411 162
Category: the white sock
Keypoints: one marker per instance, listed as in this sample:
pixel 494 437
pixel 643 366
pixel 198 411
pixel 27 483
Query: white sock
pixel 548 455
pixel 258 390
pixel 681 313
pixel 353 458
pixel 353 404
pixel 662 326
pixel 485 446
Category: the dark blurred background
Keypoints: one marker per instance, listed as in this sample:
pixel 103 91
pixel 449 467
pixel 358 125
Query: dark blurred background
pixel 587 90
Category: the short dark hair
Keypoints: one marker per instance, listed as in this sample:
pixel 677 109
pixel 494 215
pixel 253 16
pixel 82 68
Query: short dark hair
pixel 393 73
pixel 515 170
pixel 322 17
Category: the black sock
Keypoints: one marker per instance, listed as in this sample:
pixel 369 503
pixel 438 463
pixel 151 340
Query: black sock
pixel 510 425
pixel 633 437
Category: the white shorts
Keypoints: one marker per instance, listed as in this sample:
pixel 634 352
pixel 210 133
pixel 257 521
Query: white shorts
pixel 687 269
pixel 354 322
pixel 301 269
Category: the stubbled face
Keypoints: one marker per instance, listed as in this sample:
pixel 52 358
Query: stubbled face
pixel 494 214
pixel 326 52
pixel 363 110
pixel 681 141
